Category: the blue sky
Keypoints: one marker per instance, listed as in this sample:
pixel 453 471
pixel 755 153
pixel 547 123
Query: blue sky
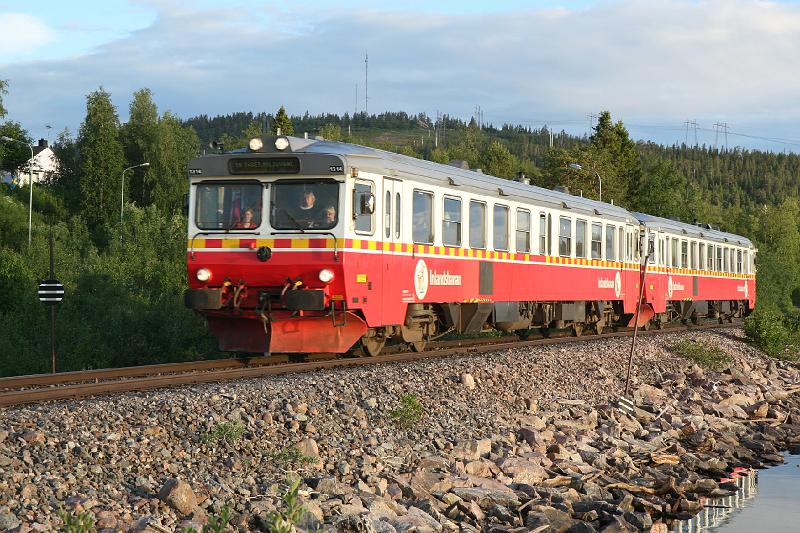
pixel 654 64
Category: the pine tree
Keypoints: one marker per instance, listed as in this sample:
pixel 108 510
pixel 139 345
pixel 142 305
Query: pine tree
pixel 3 90
pixel 100 161
pixel 282 122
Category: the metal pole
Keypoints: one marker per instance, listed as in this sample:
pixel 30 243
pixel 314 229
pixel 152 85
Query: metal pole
pixel 122 196
pixel 601 185
pixel 636 323
pixel 52 306
pixel 30 202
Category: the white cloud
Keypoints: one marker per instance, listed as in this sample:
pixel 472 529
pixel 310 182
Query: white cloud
pixel 646 61
pixel 21 34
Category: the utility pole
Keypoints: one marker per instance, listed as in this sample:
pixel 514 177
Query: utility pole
pixel 355 109
pixel 366 84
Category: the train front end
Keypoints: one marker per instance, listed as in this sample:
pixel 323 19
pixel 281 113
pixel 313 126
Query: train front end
pixel 264 267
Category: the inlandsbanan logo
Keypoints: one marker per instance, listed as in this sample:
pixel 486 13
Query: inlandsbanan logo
pixel 445 278
pixel 673 286
pixel 742 288
pixel 421 279
pixel 424 278
pixel 616 284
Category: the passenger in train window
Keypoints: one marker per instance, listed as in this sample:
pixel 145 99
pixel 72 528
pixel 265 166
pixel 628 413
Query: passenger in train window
pixel 247 221
pixel 327 218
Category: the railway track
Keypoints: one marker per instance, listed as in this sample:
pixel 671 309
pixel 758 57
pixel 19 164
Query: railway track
pixel 20 390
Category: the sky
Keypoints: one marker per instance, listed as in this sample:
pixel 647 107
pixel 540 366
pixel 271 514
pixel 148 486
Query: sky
pixel 654 64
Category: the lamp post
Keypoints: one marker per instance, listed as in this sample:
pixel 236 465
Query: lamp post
pixel 30 181
pixel 576 166
pixel 122 191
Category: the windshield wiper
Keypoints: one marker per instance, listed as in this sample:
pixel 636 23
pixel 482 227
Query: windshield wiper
pixel 292 219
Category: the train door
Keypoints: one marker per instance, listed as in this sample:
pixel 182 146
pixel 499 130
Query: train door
pixel 396 269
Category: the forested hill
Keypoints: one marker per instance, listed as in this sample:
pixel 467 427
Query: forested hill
pixel 733 177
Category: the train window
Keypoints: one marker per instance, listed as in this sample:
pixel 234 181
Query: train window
pixel 661 251
pixel 694 255
pixel 739 261
pixel 422 215
pixel 451 222
pixel 674 251
pixel 542 234
pixel 477 224
pixel 710 258
pixel 719 264
pixel 610 235
pixel 580 238
pixel 523 241
pixel 684 254
pixel 564 236
pixel 388 214
pixel 225 205
pixel 397 216
pixel 597 241
pixel 362 218
pixel 621 242
pixel 701 256
pixel 500 227
pixel 726 258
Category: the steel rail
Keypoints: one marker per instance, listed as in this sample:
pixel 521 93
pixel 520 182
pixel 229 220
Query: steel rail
pixel 212 375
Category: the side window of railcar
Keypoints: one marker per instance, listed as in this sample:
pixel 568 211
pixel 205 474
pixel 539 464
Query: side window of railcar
pixel 523 233
pixel 610 248
pixel 674 250
pixel 543 234
pixel 597 241
pixel 622 250
pixel 477 224
pixel 500 227
pixel 710 258
pixel 684 254
pixel 451 222
pixel 701 256
pixel 363 221
pixel 422 217
pixel 719 265
pixel 397 212
pixel 739 261
pixel 388 214
pixel 564 236
pixel 580 238
pixel 661 250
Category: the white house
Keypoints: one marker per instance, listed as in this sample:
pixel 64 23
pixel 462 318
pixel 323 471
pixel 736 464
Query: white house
pixel 44 166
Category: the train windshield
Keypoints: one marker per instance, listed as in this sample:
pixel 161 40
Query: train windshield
pixel 229 206
pixel 304 204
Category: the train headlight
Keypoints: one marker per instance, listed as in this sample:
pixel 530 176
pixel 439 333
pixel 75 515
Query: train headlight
pixel 325 275
pixel 203 274
pixel 256 144
pixel 281 143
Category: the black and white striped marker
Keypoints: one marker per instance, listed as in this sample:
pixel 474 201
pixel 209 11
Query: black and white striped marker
pixel 51 291
pixel 625 405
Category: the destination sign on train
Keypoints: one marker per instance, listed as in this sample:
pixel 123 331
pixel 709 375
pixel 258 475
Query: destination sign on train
pixel 264 165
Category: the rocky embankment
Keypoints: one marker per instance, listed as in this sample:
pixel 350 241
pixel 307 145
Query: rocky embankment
pixel 520 440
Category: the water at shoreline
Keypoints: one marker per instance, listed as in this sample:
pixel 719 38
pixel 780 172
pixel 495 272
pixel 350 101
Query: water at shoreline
pixel 767 502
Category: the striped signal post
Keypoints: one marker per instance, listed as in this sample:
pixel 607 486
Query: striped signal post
pixel 51 292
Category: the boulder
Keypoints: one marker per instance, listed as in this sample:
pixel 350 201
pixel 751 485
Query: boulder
pixel 179 495
pixel 472 450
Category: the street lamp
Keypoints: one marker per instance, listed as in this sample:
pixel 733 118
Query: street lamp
pixel 30 181
pixel 576 166
pixel 122 191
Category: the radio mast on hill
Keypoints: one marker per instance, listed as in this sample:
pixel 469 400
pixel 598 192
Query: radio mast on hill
pixel 366 84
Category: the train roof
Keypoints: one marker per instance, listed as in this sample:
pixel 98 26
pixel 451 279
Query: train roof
pixel 691 230
pixel 366 158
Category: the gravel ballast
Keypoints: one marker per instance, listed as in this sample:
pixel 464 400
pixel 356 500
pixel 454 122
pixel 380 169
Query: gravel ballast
pixel 510 440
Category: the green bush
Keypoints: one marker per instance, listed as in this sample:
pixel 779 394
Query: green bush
pixel 409 413
pixel 766 329
pixel 702 354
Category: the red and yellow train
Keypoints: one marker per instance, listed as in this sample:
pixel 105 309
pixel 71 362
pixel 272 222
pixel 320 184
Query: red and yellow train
pixel 301 245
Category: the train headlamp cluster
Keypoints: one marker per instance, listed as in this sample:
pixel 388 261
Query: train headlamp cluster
pixel 281 143
pixel 326 275
pixel 256 144
pixel 203 274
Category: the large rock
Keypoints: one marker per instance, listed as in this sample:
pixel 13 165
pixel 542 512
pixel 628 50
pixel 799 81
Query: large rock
pixel 523 471
pixel 472 450
pixel 418 521
pixel 179 495
pixel 468 381
pixel 8 521
pixel 487 498
pixel 309 448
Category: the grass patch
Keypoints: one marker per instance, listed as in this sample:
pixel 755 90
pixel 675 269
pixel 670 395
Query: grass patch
pixel 216 522
pixel 409 413
pixel 702 354
pixel 288 519
pixel 226 432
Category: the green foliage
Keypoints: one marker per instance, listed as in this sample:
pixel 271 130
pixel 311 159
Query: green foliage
pixel 774 333
pixel 100 161
pixel 409 412
pixel 140 138
pixel 498 161
pixel 702 354
pixel 288 519
pixel 14 155
pixel 289 458
pixel 225 432
pixel 283 122
pixel 77 523
pixel 3 92
pixel 331 132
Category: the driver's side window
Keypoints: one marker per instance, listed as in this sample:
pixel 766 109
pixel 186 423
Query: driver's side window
pixel 362 218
